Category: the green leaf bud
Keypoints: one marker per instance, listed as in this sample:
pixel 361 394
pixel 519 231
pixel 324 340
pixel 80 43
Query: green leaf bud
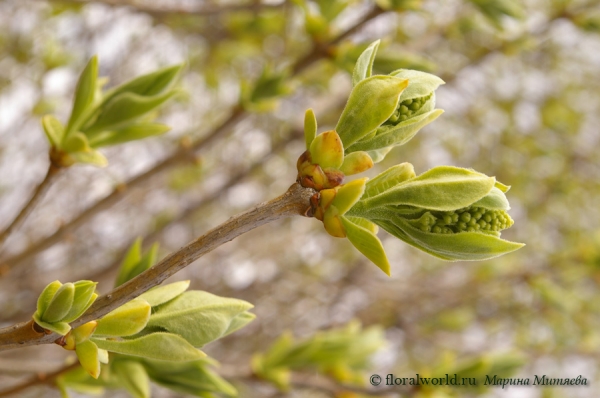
pixel 310 127
pixel 60 305
pixel 311 175
pixel 327 150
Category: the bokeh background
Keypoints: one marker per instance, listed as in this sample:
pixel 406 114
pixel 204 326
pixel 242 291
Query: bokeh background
pixel 521 103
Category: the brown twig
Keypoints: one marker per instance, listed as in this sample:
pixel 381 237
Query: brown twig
pixel 38 194
pixel 294 202
pixel 157 10
pixel 319 52
pixel 38 380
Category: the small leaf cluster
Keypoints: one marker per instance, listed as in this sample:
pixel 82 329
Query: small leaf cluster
pixel 59 304
pixel 340 353
pixel 102 118
pixel 448 212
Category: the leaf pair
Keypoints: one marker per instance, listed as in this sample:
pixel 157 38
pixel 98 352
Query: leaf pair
pixel 116 116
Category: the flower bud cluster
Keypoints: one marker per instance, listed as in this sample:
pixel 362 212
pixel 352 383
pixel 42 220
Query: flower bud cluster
pixel 407 108
pixel 468 219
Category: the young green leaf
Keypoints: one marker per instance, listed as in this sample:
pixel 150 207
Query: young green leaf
pixel 183 314
pixel 133 377
pixel 356 163
pixel 133 256
pixel 494 200
pixel 421 84
pixel 371 103
pixel 148 85
pixel 76 142
pixel 128 133
pixel 126 107
pixel 468 246
pixel 82 300
pixel 84 96
pixel 389 136
pixel 92 157
pixel 193 377
pixel 364 64
pixel 310 127
pixel 163 346
pixel 54 130
pixel 367 243
pixel 162 294
pixel 87 353
pixel 46 296
pixel 389 179
pixel 61 328
pixel 83 332
pixel 126 320
pixel 441 188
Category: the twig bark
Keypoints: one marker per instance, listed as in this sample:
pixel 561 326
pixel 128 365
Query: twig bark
pixel 159 11
pixel 319 52
pixel 38 194
pixel 38 380
pixel 294 202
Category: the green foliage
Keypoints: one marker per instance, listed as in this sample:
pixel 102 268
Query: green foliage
pixel 112 117
pixel 134 374
pixel 341 353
